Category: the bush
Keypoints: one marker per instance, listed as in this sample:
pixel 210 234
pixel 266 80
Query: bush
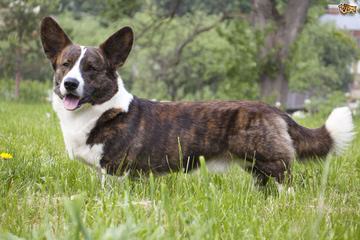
pixel 323 106
pixel 30 91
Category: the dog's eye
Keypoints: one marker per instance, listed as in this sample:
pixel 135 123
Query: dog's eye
pixel 66 64
pixel 91 68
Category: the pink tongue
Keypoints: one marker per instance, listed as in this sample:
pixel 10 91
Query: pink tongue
pixel 71 102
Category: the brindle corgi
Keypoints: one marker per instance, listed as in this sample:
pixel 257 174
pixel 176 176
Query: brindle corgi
pixel 107 127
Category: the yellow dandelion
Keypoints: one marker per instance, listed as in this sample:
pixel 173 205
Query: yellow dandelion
pixel 5 155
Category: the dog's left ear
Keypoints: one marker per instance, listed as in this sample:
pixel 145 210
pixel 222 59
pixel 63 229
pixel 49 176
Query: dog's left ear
pixel 118 46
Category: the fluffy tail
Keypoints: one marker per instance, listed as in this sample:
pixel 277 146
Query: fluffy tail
pixel 340 127
pixel 334 136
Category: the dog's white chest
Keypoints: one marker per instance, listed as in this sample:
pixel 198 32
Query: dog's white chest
pixel 76 146
pixel 76 127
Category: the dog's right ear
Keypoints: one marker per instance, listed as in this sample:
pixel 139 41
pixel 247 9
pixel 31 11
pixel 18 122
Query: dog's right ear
pixel 53 39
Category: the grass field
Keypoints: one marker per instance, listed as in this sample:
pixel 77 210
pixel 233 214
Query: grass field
pixel 44 195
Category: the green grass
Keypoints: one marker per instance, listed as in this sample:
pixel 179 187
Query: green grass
pixel 44 195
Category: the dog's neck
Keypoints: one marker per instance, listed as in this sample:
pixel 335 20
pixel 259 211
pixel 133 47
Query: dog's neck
pixel 121 99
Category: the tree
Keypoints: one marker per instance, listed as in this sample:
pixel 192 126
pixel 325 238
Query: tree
pixel 320 60
pixel 170 32
pixel 280 22
pixel 20 20
pixel 241 62
pixel 277 24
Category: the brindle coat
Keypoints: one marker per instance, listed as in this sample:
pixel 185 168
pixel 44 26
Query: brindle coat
pixel 164 137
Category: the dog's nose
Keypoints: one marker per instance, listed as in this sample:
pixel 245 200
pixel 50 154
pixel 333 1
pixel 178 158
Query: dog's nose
pixel 71 84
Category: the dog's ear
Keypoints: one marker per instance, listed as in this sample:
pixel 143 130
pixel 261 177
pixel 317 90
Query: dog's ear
pixel 53 39
pixel 118 46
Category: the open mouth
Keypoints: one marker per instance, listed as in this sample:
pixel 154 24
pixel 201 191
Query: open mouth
pixel 71 102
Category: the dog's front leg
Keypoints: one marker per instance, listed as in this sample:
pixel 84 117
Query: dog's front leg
pixel 102 175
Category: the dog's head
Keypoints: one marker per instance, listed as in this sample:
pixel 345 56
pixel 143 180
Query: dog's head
pixel 84 74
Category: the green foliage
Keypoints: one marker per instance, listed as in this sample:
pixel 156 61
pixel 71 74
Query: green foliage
pixel 30 91
pixel 240 59
pixel 156 69
pixel 185 7
pixel 22 17
pixel 114 9
pixel 77 7
pixel 325 104
pixel 19 38
pixel 321 60
pixel 221 63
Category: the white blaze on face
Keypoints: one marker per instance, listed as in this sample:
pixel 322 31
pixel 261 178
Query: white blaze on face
pixel 75 73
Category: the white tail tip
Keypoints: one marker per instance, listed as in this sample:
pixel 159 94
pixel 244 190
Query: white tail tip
pixel 341 128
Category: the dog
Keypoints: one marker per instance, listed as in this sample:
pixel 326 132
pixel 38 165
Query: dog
pixel 116 132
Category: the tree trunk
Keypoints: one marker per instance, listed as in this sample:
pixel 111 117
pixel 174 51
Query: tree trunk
pixel 172 92
pixel 282 30
pixel 18 78
pixel 274 88
pixel 18 72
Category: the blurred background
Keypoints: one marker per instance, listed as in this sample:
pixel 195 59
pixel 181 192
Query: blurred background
pixel 299 55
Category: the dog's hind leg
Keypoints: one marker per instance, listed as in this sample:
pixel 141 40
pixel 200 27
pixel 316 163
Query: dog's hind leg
pixel 260 177
pixel 275 161
pixel 278 169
